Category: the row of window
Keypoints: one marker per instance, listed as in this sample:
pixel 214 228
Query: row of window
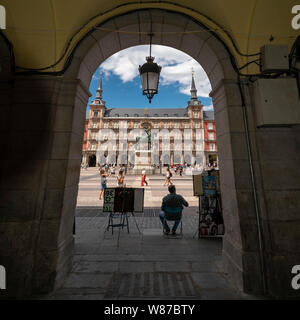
pixel 187 135
pixel 177 135
pixel 212 147
pixel 116 115
pixel 196 115
pixel 136 125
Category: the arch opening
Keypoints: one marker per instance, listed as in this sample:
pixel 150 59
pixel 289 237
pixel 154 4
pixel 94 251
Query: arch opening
pixel 72 99
pixel 202 46
pixel 92 161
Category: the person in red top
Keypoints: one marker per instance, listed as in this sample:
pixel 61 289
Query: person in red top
pixel 144 178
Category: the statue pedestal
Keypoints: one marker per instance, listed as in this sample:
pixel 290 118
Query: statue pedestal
pixel 143 161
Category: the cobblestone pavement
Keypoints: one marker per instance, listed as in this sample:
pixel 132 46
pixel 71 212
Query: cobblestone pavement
pixel 142 264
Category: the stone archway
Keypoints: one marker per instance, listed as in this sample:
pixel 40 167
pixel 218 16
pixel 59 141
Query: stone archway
pixel 92 160
pixel 177 159
pixel 187 159
pixel 51 228
pixel 238 251
pixel 123 160
pixel 165 159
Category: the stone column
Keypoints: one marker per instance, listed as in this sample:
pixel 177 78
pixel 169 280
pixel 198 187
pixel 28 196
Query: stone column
pixel 240 245
pixel 278 155
pixel 39 184
pixel 275 154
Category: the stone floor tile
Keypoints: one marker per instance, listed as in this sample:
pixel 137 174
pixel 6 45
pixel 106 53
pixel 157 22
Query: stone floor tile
pixel 211 280
pixel 95 267
pixel 142 265
pixel 174 266
pixel 92 280
pixel 137 266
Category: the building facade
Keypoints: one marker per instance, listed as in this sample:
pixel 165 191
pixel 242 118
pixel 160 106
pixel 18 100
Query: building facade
pixel 166 136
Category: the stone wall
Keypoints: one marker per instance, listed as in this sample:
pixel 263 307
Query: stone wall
pixel 278 154
pixel 40 167
pixel 275 155
pixel 240 245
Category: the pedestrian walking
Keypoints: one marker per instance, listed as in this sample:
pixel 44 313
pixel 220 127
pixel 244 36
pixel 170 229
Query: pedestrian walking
pixel 168 177
pixel 121 179
pixel 144 178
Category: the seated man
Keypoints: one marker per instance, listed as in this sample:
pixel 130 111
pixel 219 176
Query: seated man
pixel 172 205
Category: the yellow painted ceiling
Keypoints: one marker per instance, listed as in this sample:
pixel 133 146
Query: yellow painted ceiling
pixel 40 30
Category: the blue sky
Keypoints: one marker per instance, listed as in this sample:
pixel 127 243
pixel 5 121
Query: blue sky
pixel 122 85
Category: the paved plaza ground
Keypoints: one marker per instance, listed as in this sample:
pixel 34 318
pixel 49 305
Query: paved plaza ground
pixel 142 264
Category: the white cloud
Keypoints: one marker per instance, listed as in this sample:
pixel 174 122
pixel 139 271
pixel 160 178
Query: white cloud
pixel 208 108
pixel 177 67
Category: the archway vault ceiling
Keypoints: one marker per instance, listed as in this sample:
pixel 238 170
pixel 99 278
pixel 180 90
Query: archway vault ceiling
pixel 41 30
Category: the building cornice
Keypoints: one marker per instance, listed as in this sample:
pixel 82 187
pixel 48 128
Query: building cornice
pixel 145 118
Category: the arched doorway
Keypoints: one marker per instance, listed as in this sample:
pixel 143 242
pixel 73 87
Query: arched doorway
pixel 188 159
pixel 92 160
pixel 123 160
pixel 216 61
pixel 239 250
pixel 166 160
pixel 177 159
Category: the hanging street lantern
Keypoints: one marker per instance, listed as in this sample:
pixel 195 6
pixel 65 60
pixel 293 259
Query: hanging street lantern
pixel 150 73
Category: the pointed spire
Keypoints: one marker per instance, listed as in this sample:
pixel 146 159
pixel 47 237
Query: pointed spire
pixel 99 90
pixel 193 88
pixel 98 100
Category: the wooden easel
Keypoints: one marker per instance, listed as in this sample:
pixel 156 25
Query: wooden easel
pixel 123 215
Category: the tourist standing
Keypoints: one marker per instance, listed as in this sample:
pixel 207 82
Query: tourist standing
pixel 121 179
pixel 180 170
pixel 103 181
pixel 122 167
pixel 144 178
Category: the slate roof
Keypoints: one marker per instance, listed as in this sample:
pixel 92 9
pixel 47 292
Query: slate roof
pixel 155 112
pixel 139 112
pixel 208 115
